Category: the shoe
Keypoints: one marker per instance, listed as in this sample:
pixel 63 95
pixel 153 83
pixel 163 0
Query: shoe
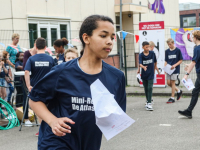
pixel 151 103
pixel 37 134
pixel 186 113
pixel 149 107
pixel 179 94
pixel 170 101
pixel 28 124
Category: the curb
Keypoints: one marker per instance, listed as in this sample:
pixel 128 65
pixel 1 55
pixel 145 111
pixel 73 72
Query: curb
pixel 156 94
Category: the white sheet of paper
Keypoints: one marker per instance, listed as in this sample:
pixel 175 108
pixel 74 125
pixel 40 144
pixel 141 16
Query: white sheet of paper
pixel 139 77
pixel 188 84
pixel 154 79
pixel 168 70
pixel 110 118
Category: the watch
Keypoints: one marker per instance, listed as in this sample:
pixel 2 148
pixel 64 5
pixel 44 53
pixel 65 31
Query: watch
pixel 187 73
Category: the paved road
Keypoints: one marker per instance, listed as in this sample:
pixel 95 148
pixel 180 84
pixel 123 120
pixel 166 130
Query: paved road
pixel 162 129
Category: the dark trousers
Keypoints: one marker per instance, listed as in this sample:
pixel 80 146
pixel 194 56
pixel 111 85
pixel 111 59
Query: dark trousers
pixel 24 103
pixel 148 87
pixel 195 94
pixel 19 98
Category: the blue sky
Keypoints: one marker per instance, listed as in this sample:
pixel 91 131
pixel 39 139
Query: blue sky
pixel 192 1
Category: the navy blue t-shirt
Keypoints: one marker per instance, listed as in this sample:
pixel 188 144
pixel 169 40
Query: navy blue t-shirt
pixel 2 74
pixel 149 62
pixel 66 89
pixel 39 65
pixel 61 59
pixel 196 58
pixel 18 63
pixel 172 57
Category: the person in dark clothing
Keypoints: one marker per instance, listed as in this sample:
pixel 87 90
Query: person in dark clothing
pixel 195 62
pixel 18 82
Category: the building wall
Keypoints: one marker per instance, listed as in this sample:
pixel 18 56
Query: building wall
pixel 187 13
pixel 13 15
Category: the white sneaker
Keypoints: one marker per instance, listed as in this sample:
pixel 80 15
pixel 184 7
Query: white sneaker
pixel 149 107
pixel 28 124
pixel 152 102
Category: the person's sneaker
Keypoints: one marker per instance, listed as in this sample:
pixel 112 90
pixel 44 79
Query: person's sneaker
pixel 186 113
pixel 37 134
pixel 179 94
pixel 170 101
pixel 28 124
pixel 149 107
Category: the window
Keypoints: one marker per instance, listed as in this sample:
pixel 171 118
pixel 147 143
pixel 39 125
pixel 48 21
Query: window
pixel 32 34
pixel 189 22
pixel 49 28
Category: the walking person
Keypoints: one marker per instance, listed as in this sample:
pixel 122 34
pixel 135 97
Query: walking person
pixel 173 57
pixel 195 62
pixel 147 61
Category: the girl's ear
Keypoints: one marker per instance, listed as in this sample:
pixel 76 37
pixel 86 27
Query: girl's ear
pixel 86 39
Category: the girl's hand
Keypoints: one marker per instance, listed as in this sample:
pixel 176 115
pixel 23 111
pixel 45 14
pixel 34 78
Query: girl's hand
pixel 59 126
pixel 2 63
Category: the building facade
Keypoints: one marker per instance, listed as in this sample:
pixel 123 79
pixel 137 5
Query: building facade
pixel 189 15
pixel 54 19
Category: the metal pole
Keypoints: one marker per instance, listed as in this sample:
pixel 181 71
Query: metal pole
pixel 121 38
pixel 125 62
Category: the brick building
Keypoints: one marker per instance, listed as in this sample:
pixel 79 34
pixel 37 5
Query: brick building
pixel 189 15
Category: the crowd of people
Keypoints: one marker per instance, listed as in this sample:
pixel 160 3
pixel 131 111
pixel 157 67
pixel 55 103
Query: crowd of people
pixel 35 61
pixel 59 89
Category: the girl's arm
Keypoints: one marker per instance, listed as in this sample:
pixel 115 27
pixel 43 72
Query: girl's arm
pixel 58 125
pixel 9 62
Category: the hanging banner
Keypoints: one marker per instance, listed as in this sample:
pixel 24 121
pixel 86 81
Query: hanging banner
pixel 154 31
pixel 183 40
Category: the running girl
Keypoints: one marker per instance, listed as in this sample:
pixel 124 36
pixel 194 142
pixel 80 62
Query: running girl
pixel 66 89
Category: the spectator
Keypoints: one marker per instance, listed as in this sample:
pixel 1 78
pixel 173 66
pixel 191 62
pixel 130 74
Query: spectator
pixel 13 49
pixel 4 70
pixel 70 54
pixel 19 67
pixel 59 46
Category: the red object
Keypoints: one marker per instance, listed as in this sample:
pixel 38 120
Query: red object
pixel 37 134
pixel 158 25
pixel 137 38
pixel 160 80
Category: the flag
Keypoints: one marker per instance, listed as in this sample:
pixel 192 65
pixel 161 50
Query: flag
pixel 124 34
pixel 137 38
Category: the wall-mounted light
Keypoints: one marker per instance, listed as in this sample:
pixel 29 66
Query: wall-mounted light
pixel 129 15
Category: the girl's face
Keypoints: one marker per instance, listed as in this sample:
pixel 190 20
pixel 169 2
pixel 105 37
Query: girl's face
pixel 58 49
pixel 100 43
pixel 21 56
pixel 70 56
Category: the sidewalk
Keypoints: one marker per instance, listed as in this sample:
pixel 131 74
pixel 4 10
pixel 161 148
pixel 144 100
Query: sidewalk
pixel 156 91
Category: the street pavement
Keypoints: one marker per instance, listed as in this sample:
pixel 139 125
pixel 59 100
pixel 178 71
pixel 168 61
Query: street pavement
pixel 161 129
